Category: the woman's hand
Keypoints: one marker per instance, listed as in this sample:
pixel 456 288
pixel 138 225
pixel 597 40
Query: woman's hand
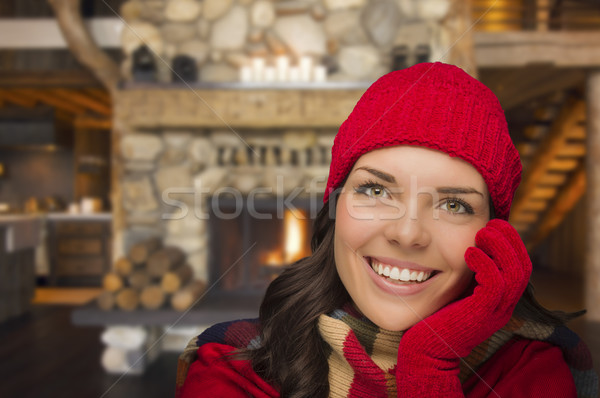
pixel 430 351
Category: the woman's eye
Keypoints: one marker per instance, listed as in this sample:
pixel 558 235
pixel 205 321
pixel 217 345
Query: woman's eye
pixel 457 207
pixel 377 192
pixel 374 191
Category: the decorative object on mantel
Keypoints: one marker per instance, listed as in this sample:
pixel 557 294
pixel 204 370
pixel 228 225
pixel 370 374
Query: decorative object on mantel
pixel 422 53
pixel 283 71
pixel 184 69
pixel 144 66
pixel 150 276
pixel 400 57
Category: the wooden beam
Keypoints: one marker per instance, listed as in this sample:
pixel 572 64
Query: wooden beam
pixel 537 205
pixel 51 99
pixel 568 118
pixel 563 204
pixel 573 149
pixel 82 99
pixel 577 132
pixel 17 99
pixel 520 48
pixel 525 217
pixel 77 78
pixel 99 94
pixel 82 44
pixel 552 178
pixel 92 123
pixel 544 193
pixel 535 132
pixel 563 164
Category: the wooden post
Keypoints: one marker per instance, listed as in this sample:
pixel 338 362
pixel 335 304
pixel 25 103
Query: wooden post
pixel 592 269
pixel 458 37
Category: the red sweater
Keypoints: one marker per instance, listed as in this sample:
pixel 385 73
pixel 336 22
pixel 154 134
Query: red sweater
pixel 520 369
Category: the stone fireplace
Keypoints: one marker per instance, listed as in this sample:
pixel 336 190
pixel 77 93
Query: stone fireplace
pixel 227 193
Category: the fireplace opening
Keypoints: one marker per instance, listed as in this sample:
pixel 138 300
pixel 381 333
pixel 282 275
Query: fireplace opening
pixel 252 242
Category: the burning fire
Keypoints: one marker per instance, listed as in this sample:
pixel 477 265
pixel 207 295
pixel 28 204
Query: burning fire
pixel 295 240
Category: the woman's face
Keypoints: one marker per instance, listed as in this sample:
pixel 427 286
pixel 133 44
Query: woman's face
pixel 404 219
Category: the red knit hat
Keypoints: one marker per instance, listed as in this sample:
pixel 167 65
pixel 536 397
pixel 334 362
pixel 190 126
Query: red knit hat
pixel 438 106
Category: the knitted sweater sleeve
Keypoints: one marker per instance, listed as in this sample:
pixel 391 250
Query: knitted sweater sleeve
pixel 523 369
pixel 214 375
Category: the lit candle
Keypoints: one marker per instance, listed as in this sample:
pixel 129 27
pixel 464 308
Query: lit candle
pixel 258 69
pixel 245 74
pixel 294 74
pixel 320 73
pixel 282 63
pixel 270 74
pixel 305 68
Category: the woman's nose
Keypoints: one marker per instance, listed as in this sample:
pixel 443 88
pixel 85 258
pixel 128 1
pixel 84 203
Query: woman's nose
pixel 408 232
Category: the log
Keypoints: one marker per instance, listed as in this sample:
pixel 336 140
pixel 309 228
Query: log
pixel 175 279
pixel 112 282
pixel 140 252
pixel 123 266
pixel 164 260
pixel 152 297
pixel 128 299
pixel 139 279
pixel 106 301
pixel 188 296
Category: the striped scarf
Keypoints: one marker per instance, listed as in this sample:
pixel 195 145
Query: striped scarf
pixel 363 356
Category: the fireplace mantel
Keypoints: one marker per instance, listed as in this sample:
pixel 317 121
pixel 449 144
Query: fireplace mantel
pixel 148 106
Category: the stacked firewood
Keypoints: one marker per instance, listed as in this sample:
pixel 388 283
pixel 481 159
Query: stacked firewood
pixel 151 276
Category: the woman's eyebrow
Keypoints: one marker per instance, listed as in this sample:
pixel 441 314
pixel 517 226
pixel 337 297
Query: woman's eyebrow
pixel 379 174
pixel 458 190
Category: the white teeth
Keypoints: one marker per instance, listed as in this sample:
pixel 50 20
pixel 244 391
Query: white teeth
pixel 404 275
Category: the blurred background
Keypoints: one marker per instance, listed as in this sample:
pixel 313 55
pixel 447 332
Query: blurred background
pixel 160 161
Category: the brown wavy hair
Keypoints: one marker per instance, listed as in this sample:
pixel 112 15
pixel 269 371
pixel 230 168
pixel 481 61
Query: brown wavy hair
pixel 292 355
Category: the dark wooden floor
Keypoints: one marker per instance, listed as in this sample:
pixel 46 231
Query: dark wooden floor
pixel 43 355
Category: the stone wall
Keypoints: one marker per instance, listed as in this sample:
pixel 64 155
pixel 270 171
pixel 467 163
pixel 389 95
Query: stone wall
pixel 354 39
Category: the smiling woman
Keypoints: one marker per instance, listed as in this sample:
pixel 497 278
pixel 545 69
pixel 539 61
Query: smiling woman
pixel 417 285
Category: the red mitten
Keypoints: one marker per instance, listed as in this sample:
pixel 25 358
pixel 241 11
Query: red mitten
pixel 430 351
